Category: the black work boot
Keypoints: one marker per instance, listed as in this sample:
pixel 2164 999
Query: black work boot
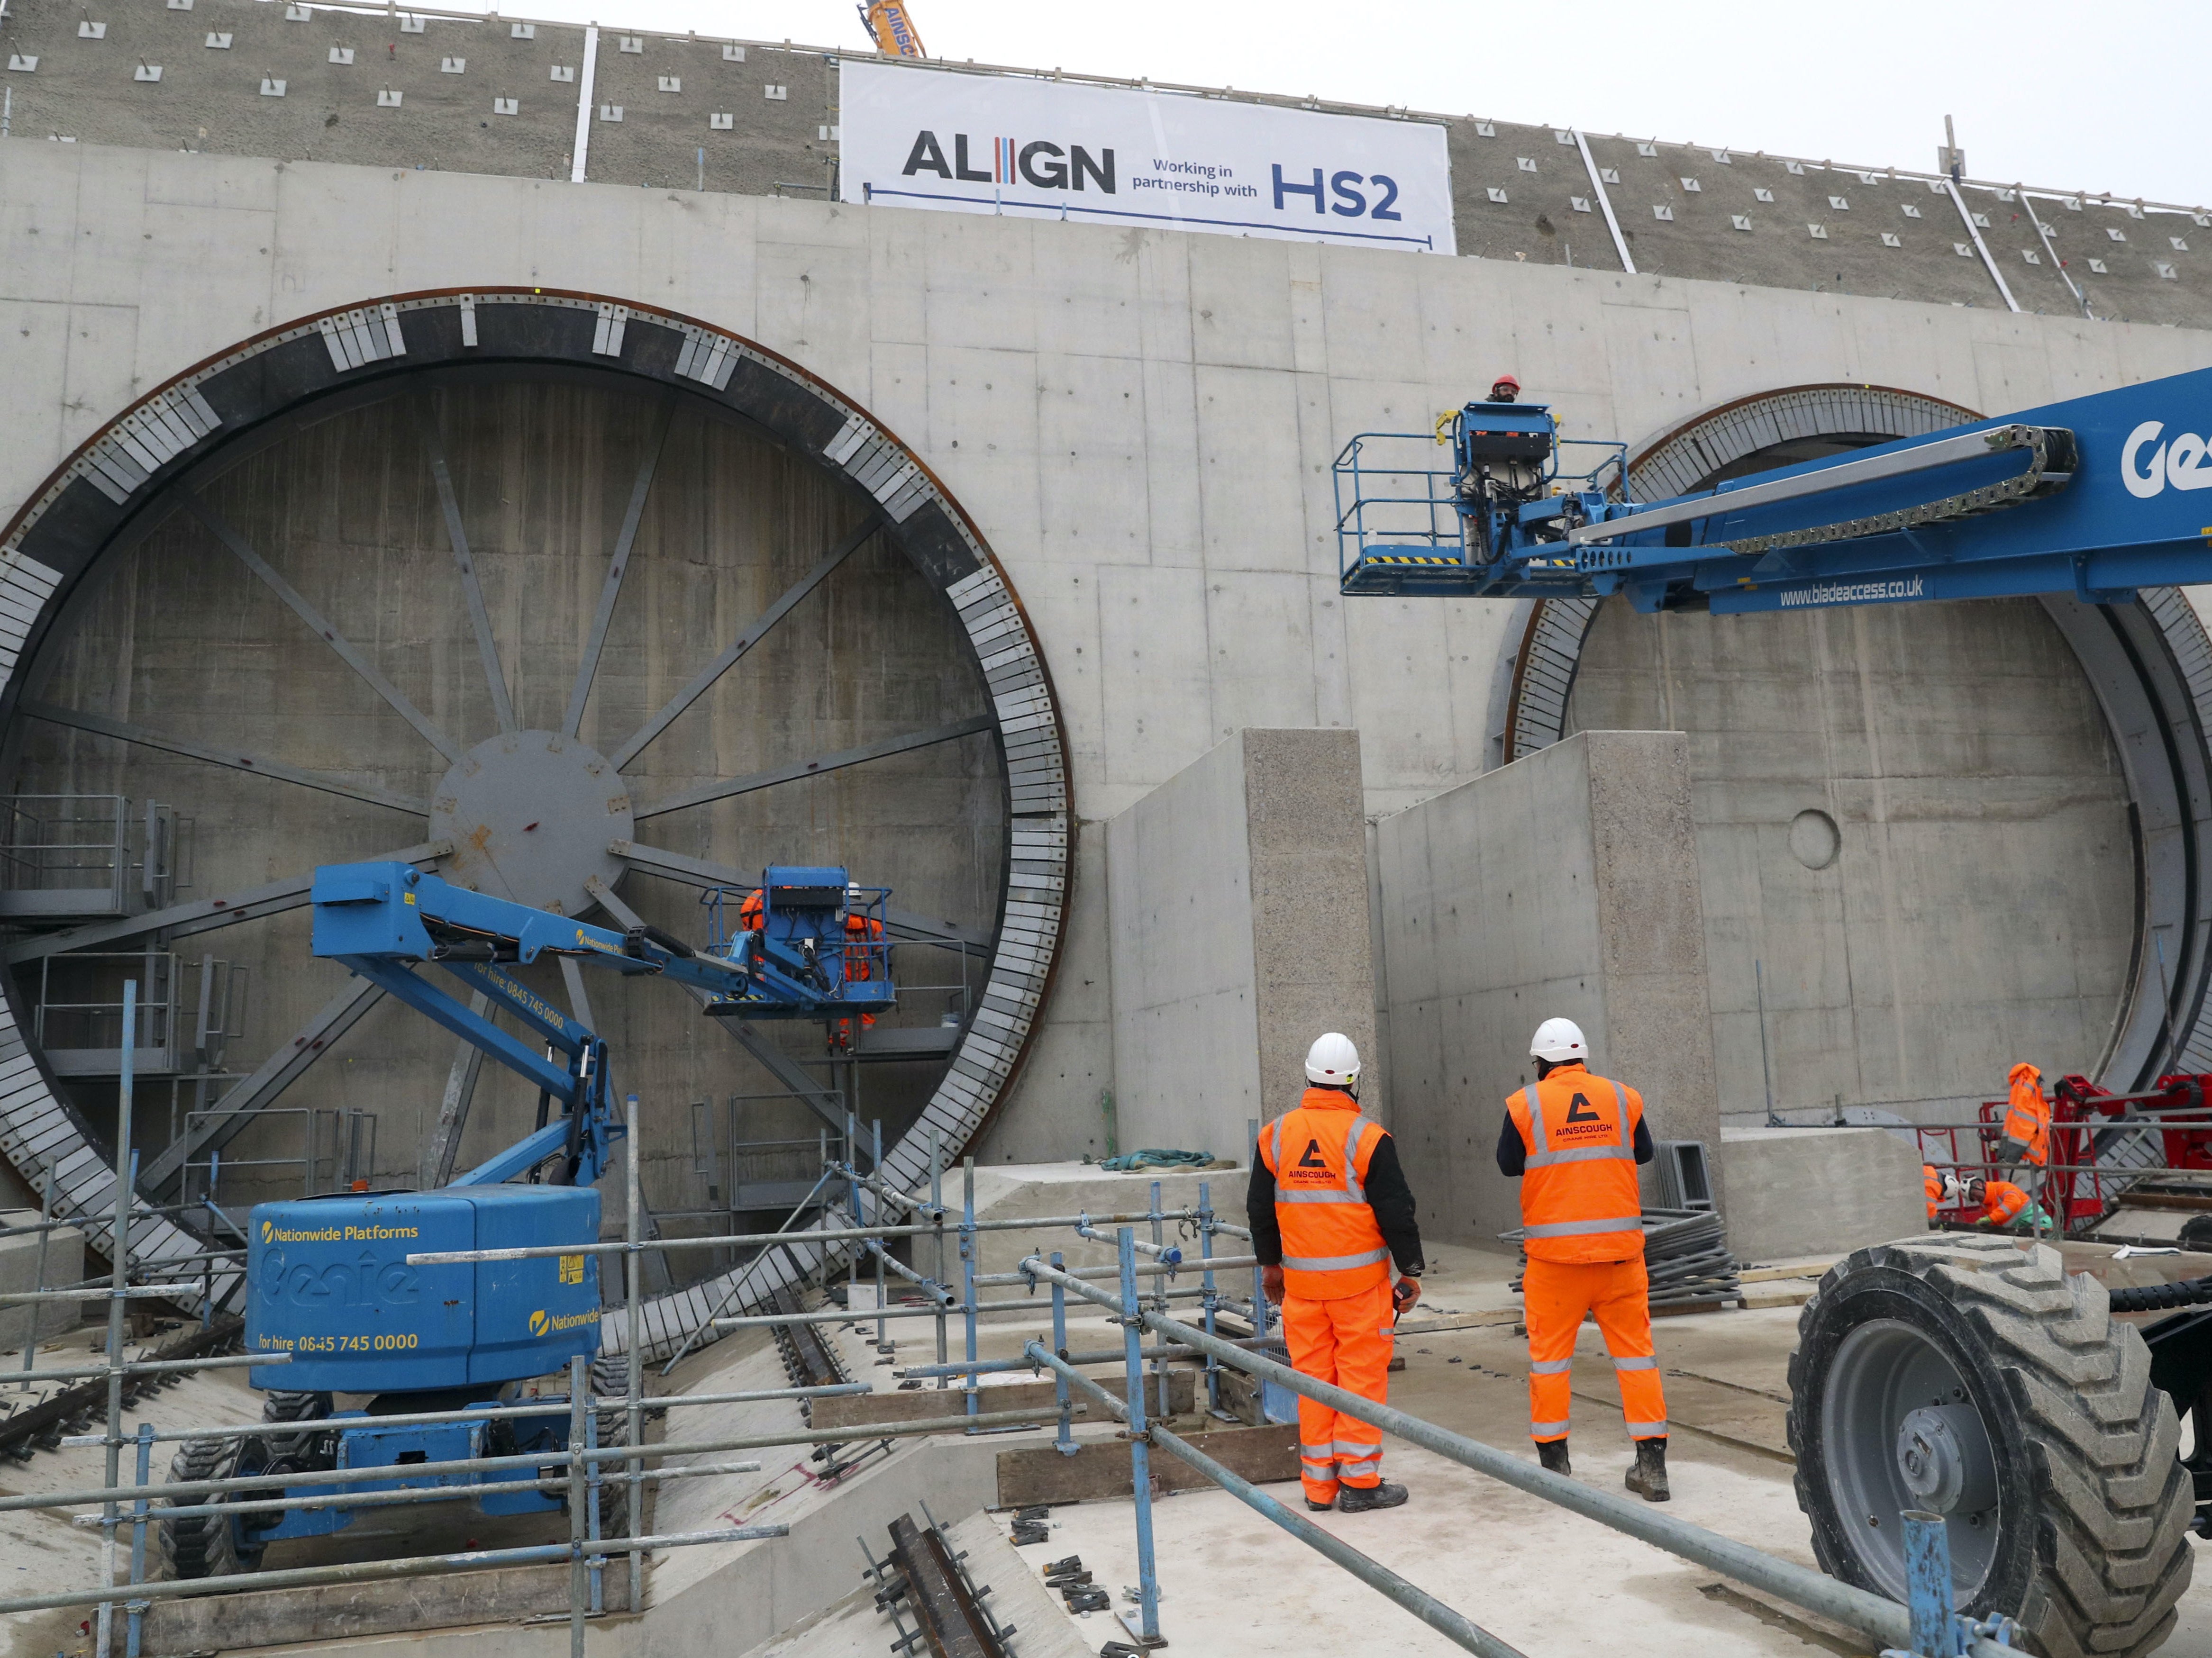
pixel 1358 1499
pixel 1321 1508
pixel 1648 1479
pixel 1553 1454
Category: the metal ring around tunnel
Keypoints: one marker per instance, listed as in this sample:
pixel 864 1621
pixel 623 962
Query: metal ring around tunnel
pixel 2149 664
pixel 139 470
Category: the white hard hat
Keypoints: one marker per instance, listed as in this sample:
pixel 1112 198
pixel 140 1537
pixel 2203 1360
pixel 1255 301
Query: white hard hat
pixel 1558 1041
pixel 1954 1190
pixel 1332 1061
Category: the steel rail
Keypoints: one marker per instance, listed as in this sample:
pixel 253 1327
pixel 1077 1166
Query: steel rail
pixel 485 1413
pixel 840 1235
pixel 920 1427
pixel 423 1494
pixel 369 1571
pixel 1885 1621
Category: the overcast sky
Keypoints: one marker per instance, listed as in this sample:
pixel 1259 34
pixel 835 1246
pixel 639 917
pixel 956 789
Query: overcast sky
pixel 2097 98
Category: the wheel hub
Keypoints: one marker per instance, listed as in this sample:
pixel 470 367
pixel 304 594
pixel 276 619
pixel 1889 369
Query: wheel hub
pixel 1929 1458
pixel 530 815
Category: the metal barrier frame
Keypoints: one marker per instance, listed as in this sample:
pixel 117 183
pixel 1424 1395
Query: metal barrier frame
pixel 1931 1630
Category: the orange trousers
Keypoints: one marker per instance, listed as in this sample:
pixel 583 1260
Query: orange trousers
pixel 1554 1297
pixel 1346 1341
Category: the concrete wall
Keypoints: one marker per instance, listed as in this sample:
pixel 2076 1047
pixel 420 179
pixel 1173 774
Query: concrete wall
pixel 1141 422
pixel 1563 885
pixel 1820 1191
pixel 1237 909
pixel 1976 903
pixel 1519 192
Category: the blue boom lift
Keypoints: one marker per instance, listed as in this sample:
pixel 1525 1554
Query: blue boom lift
pixel 328 1281
pixel 2095 496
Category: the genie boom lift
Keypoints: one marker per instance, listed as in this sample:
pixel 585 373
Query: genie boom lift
pixel 2095 496
pixel 328 1280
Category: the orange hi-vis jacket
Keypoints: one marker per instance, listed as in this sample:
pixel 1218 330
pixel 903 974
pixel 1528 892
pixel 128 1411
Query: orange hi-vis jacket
pixel 2002 1200
pixel 1318 1152
pixel 1931 1187
pixel 2027 1114
pixel 1580 1202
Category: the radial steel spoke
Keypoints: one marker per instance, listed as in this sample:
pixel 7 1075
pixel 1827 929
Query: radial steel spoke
pixel 502 709
pixel 818 766
pixel 206 914
pixel 329 635
pixel 277 1072
pixel 123 731
pixel 588 669
pixel 744 641
pixel 901 924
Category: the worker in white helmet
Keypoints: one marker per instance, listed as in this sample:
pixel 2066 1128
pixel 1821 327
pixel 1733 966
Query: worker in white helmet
pixel 1573 1140
pixel 1330 1213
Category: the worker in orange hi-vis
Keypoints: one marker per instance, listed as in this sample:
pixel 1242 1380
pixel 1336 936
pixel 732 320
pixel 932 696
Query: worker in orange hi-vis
pixel 1931 1187
pixel 1573 1140
pixel 861 930
pixel 1330 1212
pixel 2028 1127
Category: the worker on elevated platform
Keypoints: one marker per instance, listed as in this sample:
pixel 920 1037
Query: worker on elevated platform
pixel 1931 1187
pixel 2028 1127
pixel 1505 389
pixel 1573 1140
pixel 1330 1210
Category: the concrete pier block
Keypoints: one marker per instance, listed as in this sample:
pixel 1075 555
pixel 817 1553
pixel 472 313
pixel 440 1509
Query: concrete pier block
pixel 1237 909
pixel 1565 884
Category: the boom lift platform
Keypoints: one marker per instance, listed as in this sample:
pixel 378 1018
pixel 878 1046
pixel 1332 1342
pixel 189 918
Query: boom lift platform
pixel 328 1280
pixel 2094 496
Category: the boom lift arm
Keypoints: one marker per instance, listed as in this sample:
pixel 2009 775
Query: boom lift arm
pixel 798 959
pixel 2093 496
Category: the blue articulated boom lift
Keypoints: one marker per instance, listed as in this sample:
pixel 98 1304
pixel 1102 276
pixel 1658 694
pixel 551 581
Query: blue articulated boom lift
pixel 2095 496
pixel 328 1281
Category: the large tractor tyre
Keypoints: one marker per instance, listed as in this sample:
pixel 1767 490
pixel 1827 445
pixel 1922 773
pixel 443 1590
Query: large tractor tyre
pixel 209 1545
pixel 1970 1376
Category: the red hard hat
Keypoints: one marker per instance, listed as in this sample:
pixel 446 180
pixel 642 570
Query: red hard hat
pixel 1505 379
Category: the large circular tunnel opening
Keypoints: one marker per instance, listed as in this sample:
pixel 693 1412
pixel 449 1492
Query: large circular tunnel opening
pixel 564 600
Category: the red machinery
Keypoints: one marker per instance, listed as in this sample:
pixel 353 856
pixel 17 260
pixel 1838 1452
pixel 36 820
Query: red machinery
pixel 2101 1144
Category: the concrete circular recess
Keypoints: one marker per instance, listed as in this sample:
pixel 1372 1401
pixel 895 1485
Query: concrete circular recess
pixel 531 815
pixel 2113 859
pixel 1814 841
pixel 274 416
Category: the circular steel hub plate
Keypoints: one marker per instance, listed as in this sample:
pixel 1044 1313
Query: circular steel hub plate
pixel 530 815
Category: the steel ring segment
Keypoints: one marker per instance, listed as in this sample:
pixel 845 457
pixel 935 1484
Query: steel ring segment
pixel 118 485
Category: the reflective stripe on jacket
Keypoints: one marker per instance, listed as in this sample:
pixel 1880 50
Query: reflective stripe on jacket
pixel 1579 1199
pixel 1318 1152
pixel 2027 1114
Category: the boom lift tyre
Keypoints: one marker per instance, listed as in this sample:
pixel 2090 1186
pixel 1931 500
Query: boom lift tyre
pixel 1973 1376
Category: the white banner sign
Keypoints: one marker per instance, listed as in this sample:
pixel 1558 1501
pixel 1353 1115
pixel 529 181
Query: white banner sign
pixel 991 144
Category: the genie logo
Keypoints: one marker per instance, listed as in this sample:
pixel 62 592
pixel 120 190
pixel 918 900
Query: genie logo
pixel 2181 463
pixel 366 1282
